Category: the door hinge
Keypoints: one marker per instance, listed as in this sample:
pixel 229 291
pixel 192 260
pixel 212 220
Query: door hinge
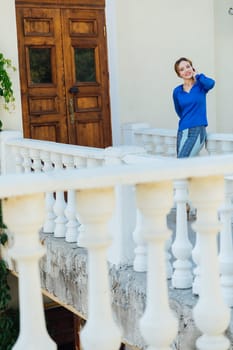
pixel 104 30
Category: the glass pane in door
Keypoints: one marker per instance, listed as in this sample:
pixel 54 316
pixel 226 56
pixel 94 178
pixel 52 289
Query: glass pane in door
pixel 40 65
pixel 85 65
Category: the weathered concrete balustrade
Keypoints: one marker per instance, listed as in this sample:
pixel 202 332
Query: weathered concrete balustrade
pixel 157 322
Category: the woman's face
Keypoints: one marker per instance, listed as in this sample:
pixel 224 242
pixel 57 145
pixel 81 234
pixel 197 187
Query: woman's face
pixel 185 70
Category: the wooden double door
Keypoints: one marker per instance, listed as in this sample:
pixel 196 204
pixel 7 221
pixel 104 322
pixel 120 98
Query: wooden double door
pixel 64 71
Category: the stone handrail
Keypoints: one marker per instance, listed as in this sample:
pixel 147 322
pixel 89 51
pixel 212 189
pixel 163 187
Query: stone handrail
pixel 23 209
pixel 21 155
pixel 162 142
pixel 122 168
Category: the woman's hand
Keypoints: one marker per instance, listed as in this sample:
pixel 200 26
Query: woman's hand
pixel 194 72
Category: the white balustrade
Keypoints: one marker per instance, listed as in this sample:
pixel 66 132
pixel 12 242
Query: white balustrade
pixel 10 158
pixel 170 142
pixel 154 200
pixel 164 140
pixel 138 139
pixel 24 216
pixel 93 162
pixel 60 204
pixel 182 276
pixel 219 143
pixel 168 257
pixel 158 324
pixel 211 314
pixel 80 162
pixel 140 260
pixel 212 147
pixel 27 162
pixel 226 244
pixel 123 221
pixel 147 143
pixel 226 147
pixel 95 209
pixel 36 161
pixel 129 133
pixel 49 224
pixel 72 224
pixel 196 270
pixel 18 160
pixel 158 145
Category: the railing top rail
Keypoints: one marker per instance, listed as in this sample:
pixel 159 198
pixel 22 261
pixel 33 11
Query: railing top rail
pixel 172 132
pixel 156 132
pixel 109 176
pixel 219 137
pixel 55 147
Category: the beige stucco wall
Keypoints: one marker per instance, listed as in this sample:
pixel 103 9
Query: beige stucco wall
pixel 151 36
pixel 224 65
pixel 8 46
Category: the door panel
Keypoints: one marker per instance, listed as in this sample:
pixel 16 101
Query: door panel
pixel 41 73
pixel 64 75
pixel 85 70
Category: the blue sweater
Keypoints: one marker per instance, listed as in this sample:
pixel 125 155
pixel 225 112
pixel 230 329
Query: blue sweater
pixel 191 106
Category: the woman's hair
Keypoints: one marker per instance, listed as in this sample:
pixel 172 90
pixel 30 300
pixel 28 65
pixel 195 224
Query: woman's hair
pixel 176 65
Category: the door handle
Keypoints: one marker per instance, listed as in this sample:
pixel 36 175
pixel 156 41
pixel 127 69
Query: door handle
pixel 73 90
pixel 71 109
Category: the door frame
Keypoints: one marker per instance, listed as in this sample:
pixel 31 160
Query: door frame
pixel 62 3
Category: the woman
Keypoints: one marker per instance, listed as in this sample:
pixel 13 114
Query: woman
pixel 190 105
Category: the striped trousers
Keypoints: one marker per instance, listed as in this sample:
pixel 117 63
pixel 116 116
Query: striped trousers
pixel 190 141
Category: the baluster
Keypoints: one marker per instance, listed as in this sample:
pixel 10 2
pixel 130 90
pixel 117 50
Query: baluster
pixel 181 248
pixel 70 211
pixel 147 143
pixel 211 314
pixel 226 147
pixel 60 204
pixel 196 270
pixel 79 162
pixel 18 160
pixel 49 224
pixel 24 215
pixel 140 260
pixel 27 162
pixel 158 145
pixel 95 209
pixel 170 141
pixel 132 133
pixel 36 161
pixel 226 248
pixel 123 221
pixel 168 256
pixel 137 139
pixel 158 325
pixel 93 162
pixel 211 147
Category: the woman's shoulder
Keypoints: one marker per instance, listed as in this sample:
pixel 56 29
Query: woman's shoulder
pixel 178 88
